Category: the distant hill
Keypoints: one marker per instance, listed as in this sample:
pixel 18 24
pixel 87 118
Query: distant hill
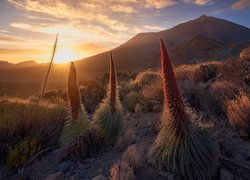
pixel 142 51
pixel 202 39
pixel 26 64
pixel 5 64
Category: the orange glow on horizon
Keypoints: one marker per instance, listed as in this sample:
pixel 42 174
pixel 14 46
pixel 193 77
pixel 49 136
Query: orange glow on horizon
pixel 64 55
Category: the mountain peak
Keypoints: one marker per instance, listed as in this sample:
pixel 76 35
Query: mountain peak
pixel 202 18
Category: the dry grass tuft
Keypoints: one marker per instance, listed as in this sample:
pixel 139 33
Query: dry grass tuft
pixel 132 157
pixel 122 171
pixel 238 112
pixel 146 78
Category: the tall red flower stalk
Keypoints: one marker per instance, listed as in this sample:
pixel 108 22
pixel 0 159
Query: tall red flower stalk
pixel 112 83
pixel 180 146
pixel 73 92
pixel 108 116
pixel 173 100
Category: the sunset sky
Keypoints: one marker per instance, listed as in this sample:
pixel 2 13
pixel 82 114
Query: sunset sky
pixel 86 27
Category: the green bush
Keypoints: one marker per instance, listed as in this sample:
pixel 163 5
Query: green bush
pixel 22 152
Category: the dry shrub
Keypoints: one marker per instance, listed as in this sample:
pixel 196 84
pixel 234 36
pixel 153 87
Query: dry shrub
pixel 245 54
pixel 22 152
pixel 20 119
pixel 224 89
pixel 153 92
pixel 205 72
pixel 185 72
pixel 238 112
pixel 92 94
pixel 193 93
pixel 131 100
pixel 233 70
pixel 146 78
pixel 125 140
pixel 132 157
pixel 122 171
pixel 219 92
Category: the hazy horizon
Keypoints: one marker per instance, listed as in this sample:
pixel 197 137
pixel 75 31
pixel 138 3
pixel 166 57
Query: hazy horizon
pixel 28 28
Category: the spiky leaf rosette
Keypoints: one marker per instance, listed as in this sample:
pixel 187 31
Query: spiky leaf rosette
pixel 83 146
pixel 179 145
pixel 109 114
pixel 77 121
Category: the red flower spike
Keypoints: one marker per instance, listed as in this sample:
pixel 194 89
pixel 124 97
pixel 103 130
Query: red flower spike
pixel 112 82
pixel 73 92
pixel 173 100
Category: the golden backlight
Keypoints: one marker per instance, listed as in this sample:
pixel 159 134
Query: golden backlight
pixel 64 55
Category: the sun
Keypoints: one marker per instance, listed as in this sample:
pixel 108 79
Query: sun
pixel 64 55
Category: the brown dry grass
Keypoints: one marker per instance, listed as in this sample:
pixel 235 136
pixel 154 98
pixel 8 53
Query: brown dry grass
pixel 238 112
pixel 132 157
pixel 20 119
pixel 122 171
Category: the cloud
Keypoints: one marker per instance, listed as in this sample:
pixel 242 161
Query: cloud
pixel 241 4
pixel 159 4
pixel 6 37
pixel 154 28
pixel 4 31
pixel 198 2
pixel 123 9
pixel 21 51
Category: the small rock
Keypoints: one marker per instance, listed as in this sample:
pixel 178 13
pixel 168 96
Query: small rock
pixel 164 173
pixel 18 176
pixel 243 134
pixel 225 175
pixel 55 176
pixel 99 177
pixel 66 166
pixel 171 177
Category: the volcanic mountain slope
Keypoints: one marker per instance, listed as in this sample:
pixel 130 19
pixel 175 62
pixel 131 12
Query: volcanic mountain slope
pixel 142 50
pixel 199 40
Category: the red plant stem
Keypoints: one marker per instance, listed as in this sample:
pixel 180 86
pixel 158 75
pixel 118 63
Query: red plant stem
pixel 173 99
pixel 73 92
pixel 112 82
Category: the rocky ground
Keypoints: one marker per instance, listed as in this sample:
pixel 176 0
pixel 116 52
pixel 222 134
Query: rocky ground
pixel 235 153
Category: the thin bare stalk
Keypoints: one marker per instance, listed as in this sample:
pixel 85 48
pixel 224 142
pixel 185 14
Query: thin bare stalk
pixel 47 75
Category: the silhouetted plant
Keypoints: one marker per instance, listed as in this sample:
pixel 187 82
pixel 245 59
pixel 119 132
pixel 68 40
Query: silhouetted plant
pixel 77 121
pixel 109 115
pixel 179 146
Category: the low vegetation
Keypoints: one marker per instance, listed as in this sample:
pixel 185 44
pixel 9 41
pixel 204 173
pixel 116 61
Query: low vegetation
pixel 158 125
pixel 238 112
